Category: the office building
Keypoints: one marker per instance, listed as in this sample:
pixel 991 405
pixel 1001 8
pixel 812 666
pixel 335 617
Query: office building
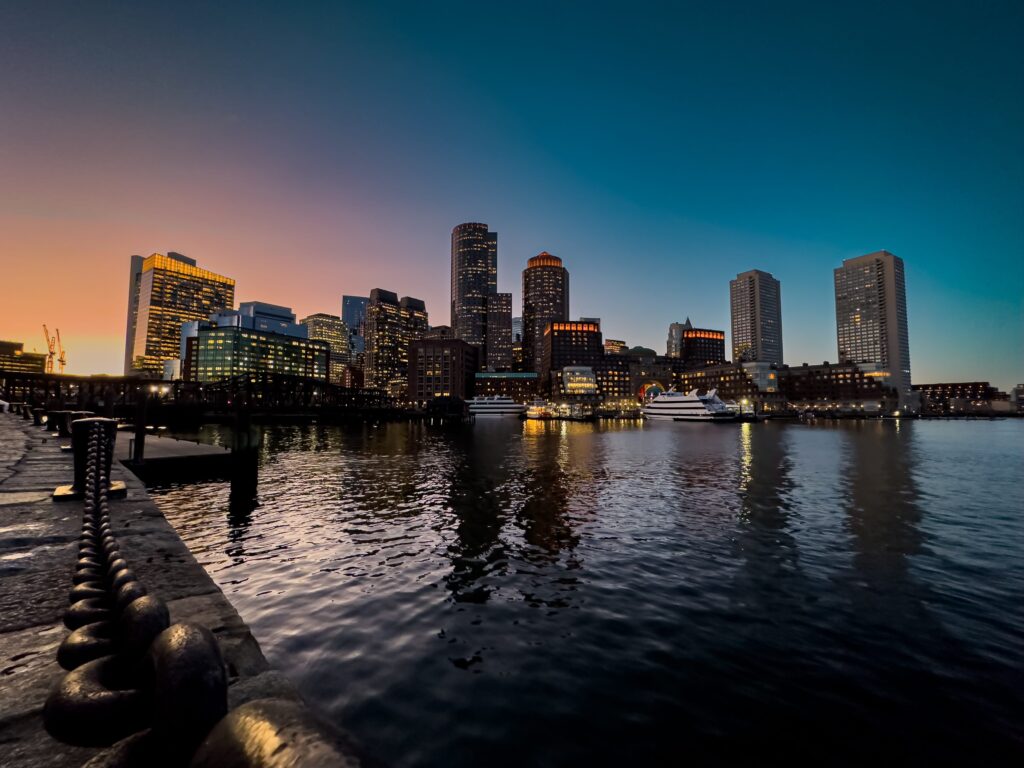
pixel 392 324
pixel 439 332
pixel 946 399
pixel 517 329
pixel 545 301
pixel 474 278
pixel 163 293
pixel 871 316
pixel 14 358
pixel 353 314
pixel 695 347
pixel 569 344
pixel 845 389
pixel 332 329
pixel 755 301
pixel 224 352
pixel 614 347
pixel 498 347
pixel 441 368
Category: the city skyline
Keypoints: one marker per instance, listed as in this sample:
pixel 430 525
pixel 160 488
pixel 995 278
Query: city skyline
pixel 652 230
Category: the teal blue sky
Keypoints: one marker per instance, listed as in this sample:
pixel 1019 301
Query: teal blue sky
pixel 311 150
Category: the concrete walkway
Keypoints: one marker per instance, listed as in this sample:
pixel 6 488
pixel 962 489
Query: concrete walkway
pixel 38 547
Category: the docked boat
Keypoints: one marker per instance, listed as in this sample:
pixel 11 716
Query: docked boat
pixel 677 406
pixel 540 409
pixel 497 406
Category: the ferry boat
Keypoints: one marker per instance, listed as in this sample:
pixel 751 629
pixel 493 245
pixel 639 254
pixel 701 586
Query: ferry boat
pixel 498 406
pixel 676 406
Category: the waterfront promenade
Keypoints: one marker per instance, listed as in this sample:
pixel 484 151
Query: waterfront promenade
pixel 38 547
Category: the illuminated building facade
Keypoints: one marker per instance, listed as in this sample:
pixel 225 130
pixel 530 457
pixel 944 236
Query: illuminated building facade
pixel 703 346
pixel 615 381
pixel 521 386
pixel 844 389
pixel 755 300
pixel 755 384
pixel 614 347
pixel 569 344
pixel 871 316
pixel 15 359
pixel 392 324
pixel 229 351
pixel 332 329
pixel 545 301
pixel 498 348
pixel 163 293
pixel 474 280
pixel 441 368
pixel 958 397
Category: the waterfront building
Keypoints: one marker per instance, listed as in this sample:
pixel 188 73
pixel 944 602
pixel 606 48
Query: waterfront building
pixel 392 324
pixel 498 347
pixel 576 384
pixel 14 358
pixel 545 301
pixel 615 381
pixel 755 300
pixel 871 316
pixel 163 293
pixel 225 352
pixel 332 329
pixel 441 368
pixel 843 389
pixel 948 399
pixel 521 386
pixel 569 344
pixel 614 347
pixel 474 277
pixel 747 384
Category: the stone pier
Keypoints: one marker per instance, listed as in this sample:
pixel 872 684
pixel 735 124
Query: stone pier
pixel 38 551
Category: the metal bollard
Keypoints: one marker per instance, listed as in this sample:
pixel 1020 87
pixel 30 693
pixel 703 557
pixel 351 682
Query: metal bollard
pixel 83 432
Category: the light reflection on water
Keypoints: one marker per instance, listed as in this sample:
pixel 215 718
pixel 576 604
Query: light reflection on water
pixel 545 593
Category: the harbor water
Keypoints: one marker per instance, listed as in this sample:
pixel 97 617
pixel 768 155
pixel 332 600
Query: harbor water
pixel 625 593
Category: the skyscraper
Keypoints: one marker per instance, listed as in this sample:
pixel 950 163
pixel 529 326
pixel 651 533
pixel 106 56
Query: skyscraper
pixel 674 344
pixel 545 301
pixel 499 332
pixel 474 279
pixel 332 329
pixel 353 314
pixel 163 293
pixel 871 316
pixel 755 299
pixel 391 326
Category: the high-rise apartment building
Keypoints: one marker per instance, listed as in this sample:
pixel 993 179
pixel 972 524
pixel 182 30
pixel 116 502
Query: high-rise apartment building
pixel 871 316
pixel 755 301
pixel 332 329
pixel 474 280
pixel 498 347
pixel 392 324
pixel 163 293
pixel 545 301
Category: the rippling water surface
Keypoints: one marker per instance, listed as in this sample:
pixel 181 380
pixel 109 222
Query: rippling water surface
pixel 522 593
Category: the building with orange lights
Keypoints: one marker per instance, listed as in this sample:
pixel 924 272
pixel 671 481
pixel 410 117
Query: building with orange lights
pixel 164 292
pixel 545 301
pixel 569 344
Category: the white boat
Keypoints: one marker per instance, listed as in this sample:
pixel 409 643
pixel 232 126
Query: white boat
pixel 498 406
pixel 676 406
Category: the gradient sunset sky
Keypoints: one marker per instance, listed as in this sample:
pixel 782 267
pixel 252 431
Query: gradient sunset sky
pixel 310 150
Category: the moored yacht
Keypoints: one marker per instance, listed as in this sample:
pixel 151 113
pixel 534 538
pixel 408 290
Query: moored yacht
pixel 676 406
pixel 496 406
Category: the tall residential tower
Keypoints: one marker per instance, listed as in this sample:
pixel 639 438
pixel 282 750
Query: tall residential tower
pixel 545 301
pixel 756 301
pixel 474 280
pixel 871 316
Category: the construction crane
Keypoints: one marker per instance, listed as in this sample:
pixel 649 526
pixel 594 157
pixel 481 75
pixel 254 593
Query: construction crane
pixel 51 341
pixel 61 358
